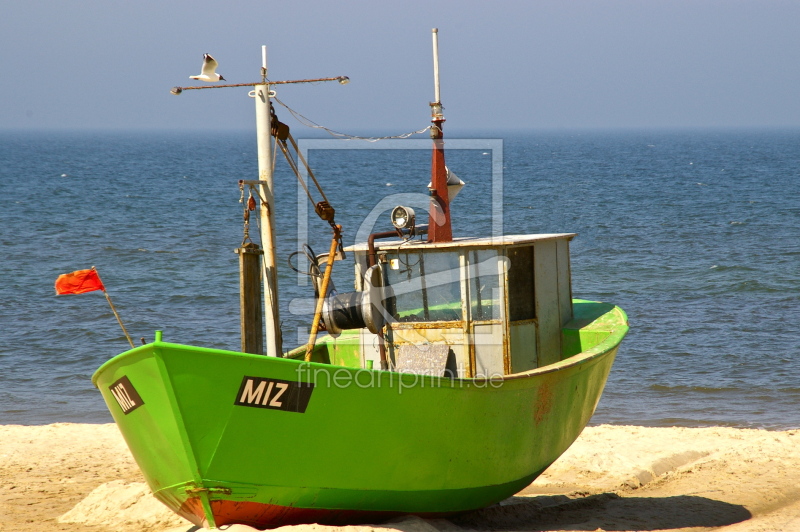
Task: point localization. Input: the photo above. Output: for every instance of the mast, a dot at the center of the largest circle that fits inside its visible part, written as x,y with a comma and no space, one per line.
266,212
262,93
439,229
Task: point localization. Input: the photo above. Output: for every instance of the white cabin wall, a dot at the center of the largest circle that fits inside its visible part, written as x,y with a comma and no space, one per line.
523,346
564,281
548,316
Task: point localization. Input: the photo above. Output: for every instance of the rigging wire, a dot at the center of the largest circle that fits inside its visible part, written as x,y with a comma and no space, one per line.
310,123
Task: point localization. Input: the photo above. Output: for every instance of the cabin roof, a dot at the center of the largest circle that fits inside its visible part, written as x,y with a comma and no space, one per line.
462,242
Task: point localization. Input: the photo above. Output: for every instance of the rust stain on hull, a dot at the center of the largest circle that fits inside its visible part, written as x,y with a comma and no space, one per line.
544,402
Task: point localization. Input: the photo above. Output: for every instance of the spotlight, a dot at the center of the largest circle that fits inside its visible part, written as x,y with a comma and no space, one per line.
403,217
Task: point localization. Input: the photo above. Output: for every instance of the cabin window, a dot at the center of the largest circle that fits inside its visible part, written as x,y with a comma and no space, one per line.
484,285
521,303
426,286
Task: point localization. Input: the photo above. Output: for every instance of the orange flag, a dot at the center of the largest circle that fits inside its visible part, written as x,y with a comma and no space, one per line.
79,282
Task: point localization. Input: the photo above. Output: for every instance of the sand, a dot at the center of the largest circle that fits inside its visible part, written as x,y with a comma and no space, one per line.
74,477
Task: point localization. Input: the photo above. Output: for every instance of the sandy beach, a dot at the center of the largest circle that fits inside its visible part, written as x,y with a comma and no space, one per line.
78,477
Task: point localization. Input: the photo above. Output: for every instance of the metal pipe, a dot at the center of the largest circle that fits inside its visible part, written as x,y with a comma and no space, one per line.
371,261
371,254
371,258
341,79
435,34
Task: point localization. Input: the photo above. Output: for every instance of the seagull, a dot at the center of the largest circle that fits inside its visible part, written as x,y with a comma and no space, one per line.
207,73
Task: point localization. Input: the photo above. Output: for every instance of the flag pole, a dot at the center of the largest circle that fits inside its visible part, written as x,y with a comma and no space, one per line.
114,310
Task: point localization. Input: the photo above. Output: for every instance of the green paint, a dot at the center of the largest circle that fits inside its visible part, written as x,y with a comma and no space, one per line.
369,439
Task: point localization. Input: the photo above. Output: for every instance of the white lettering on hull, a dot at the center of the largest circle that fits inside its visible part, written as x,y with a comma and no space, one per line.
274,394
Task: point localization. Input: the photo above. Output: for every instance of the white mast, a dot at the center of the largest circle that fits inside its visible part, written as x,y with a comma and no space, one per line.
270,273
262,95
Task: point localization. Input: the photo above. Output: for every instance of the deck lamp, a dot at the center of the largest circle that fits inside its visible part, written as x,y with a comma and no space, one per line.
403,217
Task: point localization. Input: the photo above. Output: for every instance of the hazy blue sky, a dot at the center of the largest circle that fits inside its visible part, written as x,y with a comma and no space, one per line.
536,64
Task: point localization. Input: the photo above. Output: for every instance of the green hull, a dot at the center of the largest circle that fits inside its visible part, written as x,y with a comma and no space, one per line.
218,444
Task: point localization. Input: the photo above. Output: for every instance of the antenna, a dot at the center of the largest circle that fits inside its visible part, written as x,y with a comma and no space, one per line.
264,63
435,34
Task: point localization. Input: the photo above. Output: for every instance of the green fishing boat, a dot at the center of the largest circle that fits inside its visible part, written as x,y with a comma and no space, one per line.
452,376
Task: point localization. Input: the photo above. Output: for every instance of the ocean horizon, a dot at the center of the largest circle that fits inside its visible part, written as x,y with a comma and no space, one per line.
694,233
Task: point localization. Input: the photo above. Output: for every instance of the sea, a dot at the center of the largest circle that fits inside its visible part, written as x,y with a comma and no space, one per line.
694,233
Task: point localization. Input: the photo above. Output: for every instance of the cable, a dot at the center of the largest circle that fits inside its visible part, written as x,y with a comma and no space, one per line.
313,265
310,123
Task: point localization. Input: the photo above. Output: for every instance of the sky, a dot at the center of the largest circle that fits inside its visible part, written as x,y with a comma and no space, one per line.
505,65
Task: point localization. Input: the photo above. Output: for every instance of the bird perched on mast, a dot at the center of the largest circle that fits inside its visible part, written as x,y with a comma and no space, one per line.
208,72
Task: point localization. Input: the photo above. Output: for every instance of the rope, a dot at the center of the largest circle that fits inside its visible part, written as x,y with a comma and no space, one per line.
293,166
308,168
310,123
281,133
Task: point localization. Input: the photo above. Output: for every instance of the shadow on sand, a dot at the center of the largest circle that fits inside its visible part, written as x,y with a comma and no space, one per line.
607,511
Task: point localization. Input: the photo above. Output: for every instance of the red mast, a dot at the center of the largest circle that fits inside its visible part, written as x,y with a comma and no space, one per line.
439,229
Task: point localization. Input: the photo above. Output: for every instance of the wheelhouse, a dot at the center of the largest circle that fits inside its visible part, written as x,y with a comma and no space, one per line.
470,308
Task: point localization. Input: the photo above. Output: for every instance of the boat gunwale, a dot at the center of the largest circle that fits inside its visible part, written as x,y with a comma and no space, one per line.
617,333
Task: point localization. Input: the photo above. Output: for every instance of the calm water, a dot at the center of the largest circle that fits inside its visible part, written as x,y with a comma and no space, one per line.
696,235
